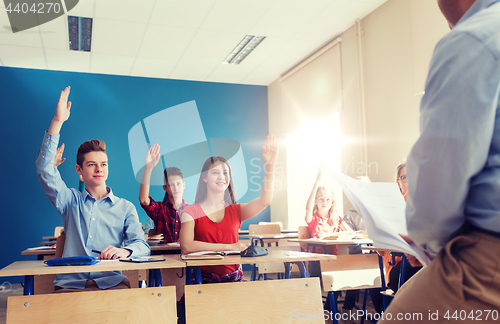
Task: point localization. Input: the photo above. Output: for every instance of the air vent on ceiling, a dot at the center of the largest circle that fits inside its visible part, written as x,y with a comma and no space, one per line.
243,49
80,33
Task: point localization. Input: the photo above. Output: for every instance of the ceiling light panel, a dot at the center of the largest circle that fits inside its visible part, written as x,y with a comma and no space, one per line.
243,49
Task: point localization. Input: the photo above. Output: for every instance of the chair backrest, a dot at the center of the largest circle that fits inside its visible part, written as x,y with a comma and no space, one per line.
264,229
348,272
268,223
61,239
58,230
146,305
303,232
269,301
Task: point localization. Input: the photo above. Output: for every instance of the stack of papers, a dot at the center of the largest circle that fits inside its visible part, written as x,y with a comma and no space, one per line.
382,208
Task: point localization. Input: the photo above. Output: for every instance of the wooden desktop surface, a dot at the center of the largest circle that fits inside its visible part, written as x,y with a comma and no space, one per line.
273,256
331,242
283,231
48,243
271,236
30,268
39,252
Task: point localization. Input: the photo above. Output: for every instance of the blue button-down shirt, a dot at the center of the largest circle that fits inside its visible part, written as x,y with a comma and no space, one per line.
89,224
454,168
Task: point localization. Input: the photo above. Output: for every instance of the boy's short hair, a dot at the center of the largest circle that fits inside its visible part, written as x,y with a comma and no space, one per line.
89,146
171,171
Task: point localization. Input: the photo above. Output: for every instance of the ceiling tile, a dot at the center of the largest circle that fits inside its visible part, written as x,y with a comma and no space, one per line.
84,8
166,42
266,48
235,16
181,13
66,60
287,17
290,55
125,10
192,70
116,37
55,34
262,76
111,64
23,57
29,37
229,73
208,46
153,67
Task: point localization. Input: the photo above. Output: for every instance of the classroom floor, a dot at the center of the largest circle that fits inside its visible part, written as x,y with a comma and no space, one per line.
17,290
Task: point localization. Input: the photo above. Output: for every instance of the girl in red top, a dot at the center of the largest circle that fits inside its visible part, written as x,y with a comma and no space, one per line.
212,223
320,213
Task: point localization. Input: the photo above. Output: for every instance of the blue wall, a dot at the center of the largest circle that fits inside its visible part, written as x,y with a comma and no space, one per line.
105,107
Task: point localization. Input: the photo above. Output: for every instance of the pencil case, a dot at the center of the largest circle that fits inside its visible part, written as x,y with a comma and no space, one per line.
72,261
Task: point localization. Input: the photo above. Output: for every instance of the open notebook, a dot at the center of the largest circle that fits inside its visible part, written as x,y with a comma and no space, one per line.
210,255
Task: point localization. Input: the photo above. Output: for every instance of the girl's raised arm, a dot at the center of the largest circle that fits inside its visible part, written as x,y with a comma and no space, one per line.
269,156
312,197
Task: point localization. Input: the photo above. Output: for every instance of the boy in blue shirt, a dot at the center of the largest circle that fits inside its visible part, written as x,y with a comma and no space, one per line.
93,220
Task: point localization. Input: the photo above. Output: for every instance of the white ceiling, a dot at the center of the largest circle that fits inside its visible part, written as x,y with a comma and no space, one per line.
185,39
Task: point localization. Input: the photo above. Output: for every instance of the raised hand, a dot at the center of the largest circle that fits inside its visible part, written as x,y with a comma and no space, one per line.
63,106
58,159
270,150
320,174
153,156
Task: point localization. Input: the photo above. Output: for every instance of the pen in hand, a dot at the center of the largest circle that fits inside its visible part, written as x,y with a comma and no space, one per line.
95,251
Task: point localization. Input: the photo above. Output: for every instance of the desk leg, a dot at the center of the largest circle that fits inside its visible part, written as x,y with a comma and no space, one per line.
382,278
151,281
29,285
287,270
402,273
189,275
157,277
302,269
254,272
197,275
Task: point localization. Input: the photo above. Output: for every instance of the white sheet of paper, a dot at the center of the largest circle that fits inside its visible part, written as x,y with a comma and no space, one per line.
382,208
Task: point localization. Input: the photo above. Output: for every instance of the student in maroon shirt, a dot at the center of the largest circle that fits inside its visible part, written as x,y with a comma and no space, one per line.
164,214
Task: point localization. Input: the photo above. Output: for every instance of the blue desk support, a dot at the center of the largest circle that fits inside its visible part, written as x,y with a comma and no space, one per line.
190,271
402,273
29,287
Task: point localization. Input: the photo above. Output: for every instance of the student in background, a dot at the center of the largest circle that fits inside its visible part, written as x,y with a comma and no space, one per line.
413,265
212,223
165,215
93,220
321,217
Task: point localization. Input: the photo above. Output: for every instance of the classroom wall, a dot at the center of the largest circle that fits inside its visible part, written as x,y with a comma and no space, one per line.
397,41
106,107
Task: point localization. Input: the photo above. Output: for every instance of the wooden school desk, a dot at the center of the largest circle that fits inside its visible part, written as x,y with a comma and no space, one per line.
29,269
286,257
165,249
322,243
40,253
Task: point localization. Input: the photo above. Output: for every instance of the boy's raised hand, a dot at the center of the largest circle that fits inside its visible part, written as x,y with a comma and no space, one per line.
63,106
270,150
58,159
153,156
62,112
